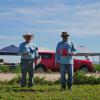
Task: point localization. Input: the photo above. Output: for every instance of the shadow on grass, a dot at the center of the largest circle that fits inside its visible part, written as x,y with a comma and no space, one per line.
19,89
31,90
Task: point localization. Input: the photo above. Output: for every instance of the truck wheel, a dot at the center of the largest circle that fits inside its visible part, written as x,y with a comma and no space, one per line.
84,69
40,69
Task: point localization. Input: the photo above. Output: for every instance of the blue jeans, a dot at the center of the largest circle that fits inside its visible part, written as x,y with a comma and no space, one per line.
69,69
27,66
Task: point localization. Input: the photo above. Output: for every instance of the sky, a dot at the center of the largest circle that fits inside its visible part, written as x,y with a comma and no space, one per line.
46,19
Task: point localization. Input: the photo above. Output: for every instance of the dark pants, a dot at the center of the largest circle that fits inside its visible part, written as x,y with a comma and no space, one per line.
27,66
69,69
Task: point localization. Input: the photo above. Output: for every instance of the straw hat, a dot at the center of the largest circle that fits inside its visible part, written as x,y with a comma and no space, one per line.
28,34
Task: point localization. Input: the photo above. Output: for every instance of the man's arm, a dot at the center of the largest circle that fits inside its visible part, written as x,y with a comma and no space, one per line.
74,51
57,56
36,53
22,51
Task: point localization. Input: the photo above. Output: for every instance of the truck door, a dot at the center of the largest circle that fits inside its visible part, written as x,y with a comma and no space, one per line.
46,59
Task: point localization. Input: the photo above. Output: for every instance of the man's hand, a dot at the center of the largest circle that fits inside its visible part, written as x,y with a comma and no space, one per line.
26,53
57,63
72,54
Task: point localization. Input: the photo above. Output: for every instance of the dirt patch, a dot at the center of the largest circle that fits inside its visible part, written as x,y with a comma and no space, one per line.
49,77
7,76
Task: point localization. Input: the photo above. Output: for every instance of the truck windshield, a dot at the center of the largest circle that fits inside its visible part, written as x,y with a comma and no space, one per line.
45,55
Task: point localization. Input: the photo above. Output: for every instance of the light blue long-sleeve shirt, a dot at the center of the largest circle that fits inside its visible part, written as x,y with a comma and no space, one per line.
28,51
69,47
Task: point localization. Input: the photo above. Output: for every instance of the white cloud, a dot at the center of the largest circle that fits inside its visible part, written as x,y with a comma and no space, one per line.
78,19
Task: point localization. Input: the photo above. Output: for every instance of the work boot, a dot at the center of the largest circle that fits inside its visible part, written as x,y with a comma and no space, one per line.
63,88
23,85
29,86
70,88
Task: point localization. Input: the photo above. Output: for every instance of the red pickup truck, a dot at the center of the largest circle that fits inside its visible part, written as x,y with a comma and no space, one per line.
48,63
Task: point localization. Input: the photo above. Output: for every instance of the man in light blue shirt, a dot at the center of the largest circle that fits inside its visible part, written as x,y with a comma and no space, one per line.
28,54
64,56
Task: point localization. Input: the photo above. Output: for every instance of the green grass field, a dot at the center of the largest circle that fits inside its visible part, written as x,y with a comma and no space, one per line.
44,90
47,92
97,67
